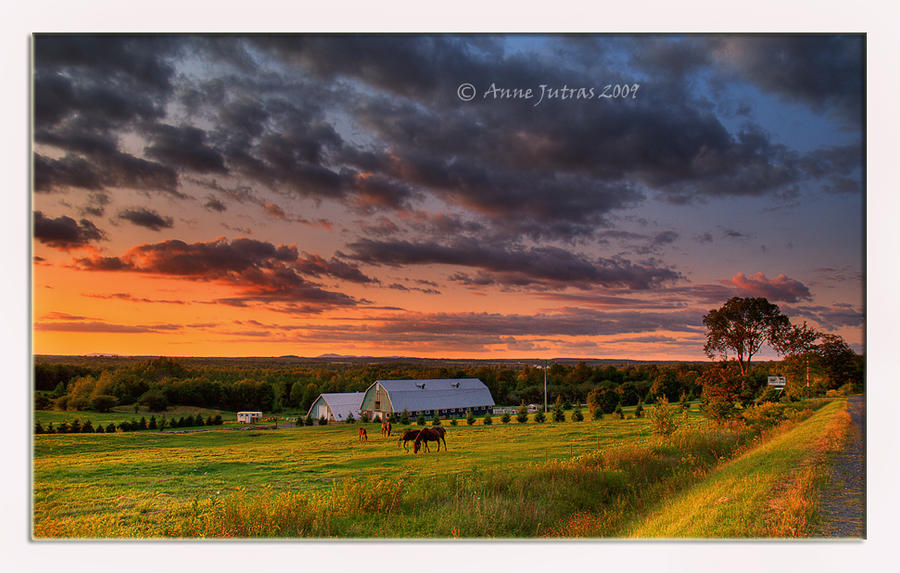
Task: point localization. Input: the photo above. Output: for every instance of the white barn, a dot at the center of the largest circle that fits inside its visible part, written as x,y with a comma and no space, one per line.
336,406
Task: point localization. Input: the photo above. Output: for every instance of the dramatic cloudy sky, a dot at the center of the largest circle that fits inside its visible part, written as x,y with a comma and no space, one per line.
269,195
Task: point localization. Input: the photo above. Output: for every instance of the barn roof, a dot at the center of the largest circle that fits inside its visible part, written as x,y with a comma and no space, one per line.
343,403
437,394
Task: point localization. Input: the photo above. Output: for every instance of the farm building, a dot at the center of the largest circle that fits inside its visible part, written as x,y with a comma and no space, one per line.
336,406
445,397
248,417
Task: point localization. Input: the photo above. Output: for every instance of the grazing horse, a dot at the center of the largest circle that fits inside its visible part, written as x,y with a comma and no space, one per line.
386,428
408,436
363,437
426,435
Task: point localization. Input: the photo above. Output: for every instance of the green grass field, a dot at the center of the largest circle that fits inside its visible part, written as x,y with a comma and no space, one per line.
506,480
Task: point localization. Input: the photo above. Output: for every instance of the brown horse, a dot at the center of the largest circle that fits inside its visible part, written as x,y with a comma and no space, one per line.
435,434
386,428
363,437
408,436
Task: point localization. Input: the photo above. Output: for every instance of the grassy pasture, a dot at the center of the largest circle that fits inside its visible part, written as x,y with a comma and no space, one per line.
506,480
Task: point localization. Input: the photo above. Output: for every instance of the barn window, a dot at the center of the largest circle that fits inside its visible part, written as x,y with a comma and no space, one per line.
377,405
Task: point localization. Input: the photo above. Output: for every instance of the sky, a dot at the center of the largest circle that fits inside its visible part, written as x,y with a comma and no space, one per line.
406,195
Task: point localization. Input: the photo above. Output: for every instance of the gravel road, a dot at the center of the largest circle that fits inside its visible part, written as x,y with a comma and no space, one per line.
844,499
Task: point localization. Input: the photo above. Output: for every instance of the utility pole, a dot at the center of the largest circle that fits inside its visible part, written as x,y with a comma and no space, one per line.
545,386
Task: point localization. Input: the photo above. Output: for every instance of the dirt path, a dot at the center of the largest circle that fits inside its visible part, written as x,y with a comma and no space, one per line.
844,499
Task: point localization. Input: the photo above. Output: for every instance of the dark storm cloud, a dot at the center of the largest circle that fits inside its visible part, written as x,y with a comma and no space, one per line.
148,218
538,267
65,233
261,271
214,204
184,147
831,317
100,172
824,72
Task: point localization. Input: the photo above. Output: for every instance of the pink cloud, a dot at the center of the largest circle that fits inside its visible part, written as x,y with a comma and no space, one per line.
781,288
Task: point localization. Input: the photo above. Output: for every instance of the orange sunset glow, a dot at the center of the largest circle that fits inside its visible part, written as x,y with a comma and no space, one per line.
307,195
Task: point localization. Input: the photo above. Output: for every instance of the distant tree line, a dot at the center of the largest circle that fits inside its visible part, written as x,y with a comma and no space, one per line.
823,361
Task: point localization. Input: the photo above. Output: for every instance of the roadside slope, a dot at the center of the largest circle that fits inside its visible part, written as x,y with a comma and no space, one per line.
770,491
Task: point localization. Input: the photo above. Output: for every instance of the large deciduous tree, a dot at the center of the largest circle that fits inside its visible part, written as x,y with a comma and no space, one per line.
741,327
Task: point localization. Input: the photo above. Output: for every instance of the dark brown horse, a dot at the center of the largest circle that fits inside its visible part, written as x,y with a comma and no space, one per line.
363,437
435,434
408,436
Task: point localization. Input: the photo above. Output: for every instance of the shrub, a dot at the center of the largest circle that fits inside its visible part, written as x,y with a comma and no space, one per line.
103,402
436,421
377,418
619,412
151,425
719,410
309,420
420,421
577,416
124,427
75,426
522,415
394,418
505,418
99,429
50,428
470,418
453,421
38,428
567,405
662,416
404,417
63,428
218,420
183,422
110,428
42,402
597,414
350,418
639,409
540,417
154,400
323,421
142,425
487,420
198,420
87,428
62,402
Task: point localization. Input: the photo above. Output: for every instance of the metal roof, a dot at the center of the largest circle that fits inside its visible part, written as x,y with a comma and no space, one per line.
343,403
437,394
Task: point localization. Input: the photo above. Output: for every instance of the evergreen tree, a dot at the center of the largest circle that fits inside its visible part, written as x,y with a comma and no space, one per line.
75,426
487,421
619,412
453,421
597,414
142,425
436,421
152,425
218,419
420,421
470,418
639,409
50,428
38,428
540,417
404,417
365,418
99,429
505,418
350,418
558,414
323,421
87,428
309,420
577,416
522,415
111,428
